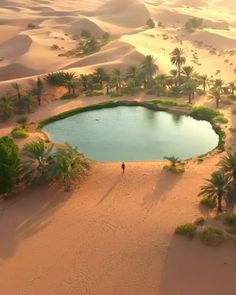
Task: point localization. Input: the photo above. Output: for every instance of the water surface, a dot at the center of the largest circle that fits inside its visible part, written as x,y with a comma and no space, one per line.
134,134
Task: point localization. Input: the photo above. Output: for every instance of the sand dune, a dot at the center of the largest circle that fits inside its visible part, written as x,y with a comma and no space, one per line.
75,28
59,23
15,47
135,13
115,52
16,70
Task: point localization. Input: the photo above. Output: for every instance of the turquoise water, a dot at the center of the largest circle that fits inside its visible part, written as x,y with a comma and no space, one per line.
134,134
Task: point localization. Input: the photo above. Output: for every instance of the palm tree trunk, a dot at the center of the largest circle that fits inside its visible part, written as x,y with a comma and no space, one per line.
179,75
39,100
219,209
190,98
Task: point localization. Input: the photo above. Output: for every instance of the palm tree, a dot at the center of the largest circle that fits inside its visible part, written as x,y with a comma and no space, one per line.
85,81
117,78
174,77
232,87
217,95
215,188
218,86
150,69
228,165
203,79
100,75
178,59
18,88
28,100
188,72
70,81
160,84
173,160
190,87
68,165
6,107
35,168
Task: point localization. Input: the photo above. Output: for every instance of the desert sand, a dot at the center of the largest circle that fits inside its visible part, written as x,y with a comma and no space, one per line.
114,233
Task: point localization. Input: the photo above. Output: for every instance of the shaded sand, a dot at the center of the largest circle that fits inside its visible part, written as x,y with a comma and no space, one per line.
115,239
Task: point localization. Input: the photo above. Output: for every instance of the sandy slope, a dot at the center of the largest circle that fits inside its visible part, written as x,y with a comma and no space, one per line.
117,239
58,23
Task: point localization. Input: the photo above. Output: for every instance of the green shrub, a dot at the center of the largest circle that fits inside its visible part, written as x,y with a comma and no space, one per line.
19,133
174,93
212,236
69,96
230,220
204,113
234,112
94,93
208,202
166,102
199,221
9,162
220,118
188,230
116,94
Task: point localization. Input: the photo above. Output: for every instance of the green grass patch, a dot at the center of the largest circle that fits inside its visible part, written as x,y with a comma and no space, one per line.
116,94
94,93
166,102
221,118
19,133
69,96
212,236
204,113
208,202
187,230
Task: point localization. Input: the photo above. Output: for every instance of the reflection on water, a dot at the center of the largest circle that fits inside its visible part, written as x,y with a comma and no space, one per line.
134,134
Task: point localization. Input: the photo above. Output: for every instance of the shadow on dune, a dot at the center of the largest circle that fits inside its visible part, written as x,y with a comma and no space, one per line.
192,268
111,189
27,213
165,183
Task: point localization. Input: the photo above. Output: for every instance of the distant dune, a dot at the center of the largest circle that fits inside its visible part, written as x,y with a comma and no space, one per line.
61,22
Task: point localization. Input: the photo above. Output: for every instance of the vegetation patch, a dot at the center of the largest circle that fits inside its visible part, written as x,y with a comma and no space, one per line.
208,202
19,133
204,113
187,230
212,236
166,102
199,221
94,93
116,94
221,118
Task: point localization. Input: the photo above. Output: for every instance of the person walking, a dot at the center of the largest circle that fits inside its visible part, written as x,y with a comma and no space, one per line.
123,167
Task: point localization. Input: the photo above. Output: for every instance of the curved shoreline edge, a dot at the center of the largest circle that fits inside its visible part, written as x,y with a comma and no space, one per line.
180,110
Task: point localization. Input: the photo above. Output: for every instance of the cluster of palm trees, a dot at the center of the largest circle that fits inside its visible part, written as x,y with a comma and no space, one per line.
42,162
182,80
22,101
222,184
